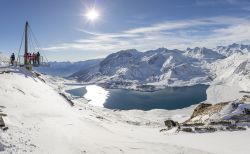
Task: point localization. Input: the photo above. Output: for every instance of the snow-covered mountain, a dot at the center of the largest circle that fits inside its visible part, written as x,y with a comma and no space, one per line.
131,69
232,78
233,48
64,69
203,53
154,67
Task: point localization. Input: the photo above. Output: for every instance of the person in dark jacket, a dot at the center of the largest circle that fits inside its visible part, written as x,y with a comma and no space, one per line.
38,57
12,59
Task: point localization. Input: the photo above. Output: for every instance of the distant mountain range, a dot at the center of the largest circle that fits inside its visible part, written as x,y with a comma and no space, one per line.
131,69
65,69
232,49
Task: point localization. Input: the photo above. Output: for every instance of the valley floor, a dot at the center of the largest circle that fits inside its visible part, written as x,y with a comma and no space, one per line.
42,121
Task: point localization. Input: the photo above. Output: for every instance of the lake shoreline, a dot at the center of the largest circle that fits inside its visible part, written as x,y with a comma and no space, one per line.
125,99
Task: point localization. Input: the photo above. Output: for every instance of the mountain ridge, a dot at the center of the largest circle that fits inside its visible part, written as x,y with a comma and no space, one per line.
131,69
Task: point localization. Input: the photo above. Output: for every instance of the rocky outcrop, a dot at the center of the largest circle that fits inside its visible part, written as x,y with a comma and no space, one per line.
208,118
203,110
170,124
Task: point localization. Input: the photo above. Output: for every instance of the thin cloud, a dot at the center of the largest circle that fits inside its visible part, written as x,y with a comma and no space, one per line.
207,32
216,2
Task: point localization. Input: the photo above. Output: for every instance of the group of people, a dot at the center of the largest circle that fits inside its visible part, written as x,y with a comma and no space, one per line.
29,58
32,58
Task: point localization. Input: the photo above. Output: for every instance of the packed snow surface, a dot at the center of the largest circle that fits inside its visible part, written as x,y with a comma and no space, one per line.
41,121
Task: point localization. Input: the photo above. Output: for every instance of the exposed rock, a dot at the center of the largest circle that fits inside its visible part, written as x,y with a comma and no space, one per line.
133,123
234,128
245,98
247,111
2,72
192,124
223,123
5,128
205,129
170,123
207,109
189,130
99,117
200,109
68,100
226,116
3,114
164,130
2,124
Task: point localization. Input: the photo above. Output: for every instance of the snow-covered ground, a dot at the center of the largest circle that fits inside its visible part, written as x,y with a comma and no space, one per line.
4,60
232,78
41,121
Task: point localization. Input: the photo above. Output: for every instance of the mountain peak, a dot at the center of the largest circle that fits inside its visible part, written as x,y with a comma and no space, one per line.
203,53
232,49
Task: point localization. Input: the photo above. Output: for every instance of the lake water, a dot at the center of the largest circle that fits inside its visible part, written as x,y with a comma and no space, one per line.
168,98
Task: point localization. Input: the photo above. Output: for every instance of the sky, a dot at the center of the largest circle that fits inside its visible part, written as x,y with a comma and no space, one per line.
65,34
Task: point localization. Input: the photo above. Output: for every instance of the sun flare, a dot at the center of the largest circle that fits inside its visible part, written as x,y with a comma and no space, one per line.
92,15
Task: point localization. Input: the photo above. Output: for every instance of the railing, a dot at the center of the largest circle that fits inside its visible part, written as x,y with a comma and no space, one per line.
32,62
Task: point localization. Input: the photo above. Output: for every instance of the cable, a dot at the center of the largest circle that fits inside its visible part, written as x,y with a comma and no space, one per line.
38,44
20,47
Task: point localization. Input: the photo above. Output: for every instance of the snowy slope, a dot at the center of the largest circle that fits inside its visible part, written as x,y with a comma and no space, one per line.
41,121
4,60
232,78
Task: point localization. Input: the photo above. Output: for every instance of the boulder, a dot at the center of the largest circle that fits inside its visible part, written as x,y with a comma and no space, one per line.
170,124
247,111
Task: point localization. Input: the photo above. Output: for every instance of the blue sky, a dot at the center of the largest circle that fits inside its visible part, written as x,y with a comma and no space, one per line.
66,35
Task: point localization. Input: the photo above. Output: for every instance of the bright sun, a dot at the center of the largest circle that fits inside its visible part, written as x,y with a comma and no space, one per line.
92,15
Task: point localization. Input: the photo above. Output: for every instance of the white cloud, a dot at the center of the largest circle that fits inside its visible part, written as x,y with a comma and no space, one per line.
215,2
180,34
